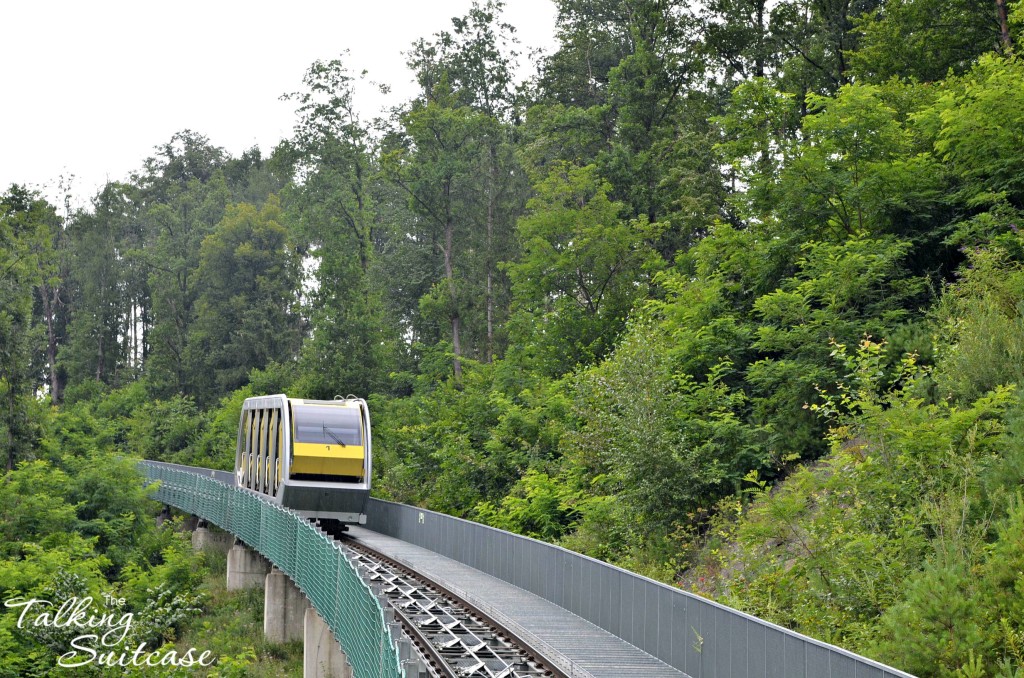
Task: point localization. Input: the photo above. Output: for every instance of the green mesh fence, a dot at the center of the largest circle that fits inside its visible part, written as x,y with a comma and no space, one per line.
314,562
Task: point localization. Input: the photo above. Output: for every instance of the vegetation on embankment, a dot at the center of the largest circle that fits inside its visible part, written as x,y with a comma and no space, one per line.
232,624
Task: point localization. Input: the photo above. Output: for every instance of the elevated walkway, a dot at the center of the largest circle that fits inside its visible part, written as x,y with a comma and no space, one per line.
593,618
578,646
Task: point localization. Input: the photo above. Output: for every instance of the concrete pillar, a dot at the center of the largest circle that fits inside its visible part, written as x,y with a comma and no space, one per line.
165,515
206,538
321,655
247,569
284,609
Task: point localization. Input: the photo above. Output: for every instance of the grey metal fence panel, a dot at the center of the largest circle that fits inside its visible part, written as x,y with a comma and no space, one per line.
694,632
868,671
501,552
737,647
650,618
567,579
587,604
817,661
677,633
666,604
756,651
842,666
715,626
579,592
775,652
702,639
796,658
607,596
628,603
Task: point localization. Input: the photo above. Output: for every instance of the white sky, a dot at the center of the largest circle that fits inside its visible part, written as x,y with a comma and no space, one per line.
89,88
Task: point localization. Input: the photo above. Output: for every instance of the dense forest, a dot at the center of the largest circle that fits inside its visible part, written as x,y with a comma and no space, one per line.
728,293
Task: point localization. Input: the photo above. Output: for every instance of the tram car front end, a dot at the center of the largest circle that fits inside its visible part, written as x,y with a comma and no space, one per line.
311,456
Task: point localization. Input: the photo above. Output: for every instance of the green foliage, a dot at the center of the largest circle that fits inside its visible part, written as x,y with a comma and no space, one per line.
445,434
982,327
334,211
185,196
671,442
231,628
756,142
25,224
912,39
981,119
832,550
215,445
164,429
246,317
82,526
581,271
858,172
540,506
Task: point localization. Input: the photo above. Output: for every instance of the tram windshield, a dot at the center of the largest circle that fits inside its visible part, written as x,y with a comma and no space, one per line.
327,425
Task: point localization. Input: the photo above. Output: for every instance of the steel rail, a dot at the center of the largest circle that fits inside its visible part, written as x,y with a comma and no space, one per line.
437,626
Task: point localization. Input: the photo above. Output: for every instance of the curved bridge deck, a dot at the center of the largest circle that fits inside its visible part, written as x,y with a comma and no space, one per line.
592,618
579,646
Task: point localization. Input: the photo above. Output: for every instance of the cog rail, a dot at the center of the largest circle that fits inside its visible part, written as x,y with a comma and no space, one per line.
456,638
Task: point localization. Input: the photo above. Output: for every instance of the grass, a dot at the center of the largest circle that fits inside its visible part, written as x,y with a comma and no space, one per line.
231,626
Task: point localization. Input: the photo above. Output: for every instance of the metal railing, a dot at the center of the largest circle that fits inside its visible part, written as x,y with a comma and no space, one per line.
700,637
314,562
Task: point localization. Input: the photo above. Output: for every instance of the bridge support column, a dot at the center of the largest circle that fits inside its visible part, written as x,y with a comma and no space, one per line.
284,609
203,537
322,656
165,515
247,569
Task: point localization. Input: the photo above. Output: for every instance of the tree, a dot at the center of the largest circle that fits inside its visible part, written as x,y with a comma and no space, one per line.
982,120
737,34
25,262
858,170
435,169
333,209
472,67
922,39
100,313
582,270
245,316
817,37
183,196
593,38
477,59
670,443
53,294
641,116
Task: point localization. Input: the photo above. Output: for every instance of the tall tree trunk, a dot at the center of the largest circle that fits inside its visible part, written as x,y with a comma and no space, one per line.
1004,26
762,30
100,358
51,339
489,351
449,274
145,333
11,414
134,360
362,230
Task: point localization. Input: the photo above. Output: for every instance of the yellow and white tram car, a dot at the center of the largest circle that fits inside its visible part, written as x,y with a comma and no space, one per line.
311,456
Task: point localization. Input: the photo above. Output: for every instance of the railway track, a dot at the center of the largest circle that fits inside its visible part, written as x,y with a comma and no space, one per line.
456,638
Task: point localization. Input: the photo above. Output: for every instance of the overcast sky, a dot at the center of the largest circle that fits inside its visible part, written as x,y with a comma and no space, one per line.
89,88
